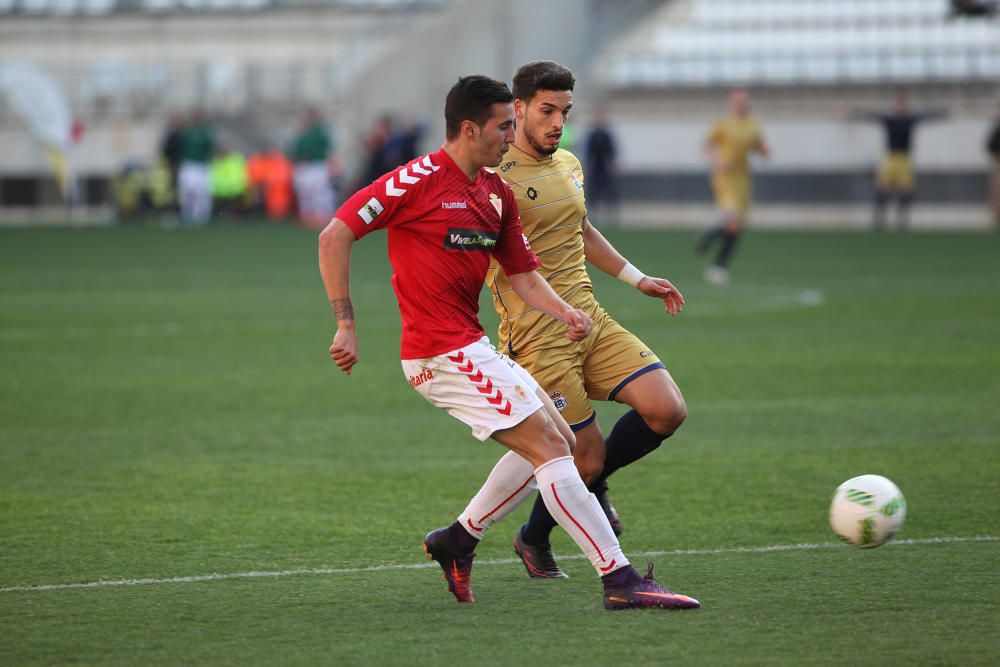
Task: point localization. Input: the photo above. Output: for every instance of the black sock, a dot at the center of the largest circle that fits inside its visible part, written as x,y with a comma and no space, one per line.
540,524
708,237
630,440
729,240
461,540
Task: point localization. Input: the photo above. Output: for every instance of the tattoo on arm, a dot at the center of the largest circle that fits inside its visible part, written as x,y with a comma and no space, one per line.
343,309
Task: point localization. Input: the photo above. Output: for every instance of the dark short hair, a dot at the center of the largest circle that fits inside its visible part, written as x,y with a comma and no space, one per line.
541,75
472,98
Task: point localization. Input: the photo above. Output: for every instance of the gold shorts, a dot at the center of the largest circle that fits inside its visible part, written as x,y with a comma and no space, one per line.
573,373
896,173
732,191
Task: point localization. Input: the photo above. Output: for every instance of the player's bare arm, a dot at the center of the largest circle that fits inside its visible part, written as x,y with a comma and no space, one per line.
335,243
600,253
531,288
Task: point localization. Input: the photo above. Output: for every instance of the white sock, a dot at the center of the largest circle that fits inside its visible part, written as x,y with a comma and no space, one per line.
511,481
578,512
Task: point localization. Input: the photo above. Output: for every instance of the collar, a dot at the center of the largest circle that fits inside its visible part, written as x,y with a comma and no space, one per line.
528,156
442,158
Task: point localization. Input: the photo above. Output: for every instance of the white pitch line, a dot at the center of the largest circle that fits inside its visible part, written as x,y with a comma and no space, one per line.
498,561
804,298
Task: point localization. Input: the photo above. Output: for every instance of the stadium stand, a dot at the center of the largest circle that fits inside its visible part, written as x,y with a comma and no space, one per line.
810,42
809,63
125,65
105,7
660,67
288,57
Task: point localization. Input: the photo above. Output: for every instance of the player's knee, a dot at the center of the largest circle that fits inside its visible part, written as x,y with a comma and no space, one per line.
668,416
556,444
589,469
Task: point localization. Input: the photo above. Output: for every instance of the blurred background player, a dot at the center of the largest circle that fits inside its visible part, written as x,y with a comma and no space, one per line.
894,178
270,174
194,182
379,150
601,169
446,217
312,176
172,145
728,145
993,149
609,365
230,182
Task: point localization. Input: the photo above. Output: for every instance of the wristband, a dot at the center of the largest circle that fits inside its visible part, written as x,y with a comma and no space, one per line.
631,275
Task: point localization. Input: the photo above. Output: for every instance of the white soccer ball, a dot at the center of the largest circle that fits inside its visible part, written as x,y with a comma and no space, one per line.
867,511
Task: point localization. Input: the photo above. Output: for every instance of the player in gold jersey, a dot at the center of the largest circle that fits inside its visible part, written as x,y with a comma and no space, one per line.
729,143
611,364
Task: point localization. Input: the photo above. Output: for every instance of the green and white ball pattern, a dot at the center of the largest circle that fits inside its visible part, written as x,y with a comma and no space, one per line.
867,511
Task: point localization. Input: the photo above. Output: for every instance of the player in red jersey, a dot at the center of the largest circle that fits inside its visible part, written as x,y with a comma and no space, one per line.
446,216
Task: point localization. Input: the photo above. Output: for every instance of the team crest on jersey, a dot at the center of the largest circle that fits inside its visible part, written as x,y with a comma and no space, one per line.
558,400
519,390
497,203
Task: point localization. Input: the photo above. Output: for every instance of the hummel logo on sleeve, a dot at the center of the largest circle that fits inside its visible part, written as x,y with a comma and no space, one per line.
370,210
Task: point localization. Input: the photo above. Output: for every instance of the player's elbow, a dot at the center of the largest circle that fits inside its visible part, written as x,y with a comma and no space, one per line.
522,284
334,235
326,237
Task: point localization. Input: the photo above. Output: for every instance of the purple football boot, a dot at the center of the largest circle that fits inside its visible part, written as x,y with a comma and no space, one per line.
457,567
645,594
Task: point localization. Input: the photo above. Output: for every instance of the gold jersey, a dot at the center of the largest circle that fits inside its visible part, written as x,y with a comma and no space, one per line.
549,194
733,137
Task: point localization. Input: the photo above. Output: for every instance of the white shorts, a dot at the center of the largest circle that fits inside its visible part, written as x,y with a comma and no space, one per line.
477,385
314,190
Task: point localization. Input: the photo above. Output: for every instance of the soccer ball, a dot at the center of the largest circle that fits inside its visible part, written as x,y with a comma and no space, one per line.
867,511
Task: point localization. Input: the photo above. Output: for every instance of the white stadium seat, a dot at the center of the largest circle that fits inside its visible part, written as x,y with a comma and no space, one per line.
817,42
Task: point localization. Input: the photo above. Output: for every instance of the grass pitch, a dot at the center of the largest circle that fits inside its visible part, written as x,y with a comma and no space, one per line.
168,413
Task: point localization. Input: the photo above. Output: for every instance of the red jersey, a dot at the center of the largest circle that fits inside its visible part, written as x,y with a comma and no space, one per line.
443,229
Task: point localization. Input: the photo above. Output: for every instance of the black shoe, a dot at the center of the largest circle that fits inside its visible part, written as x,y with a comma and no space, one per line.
538,560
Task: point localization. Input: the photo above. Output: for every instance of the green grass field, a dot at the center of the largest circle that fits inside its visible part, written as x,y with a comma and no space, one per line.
168,412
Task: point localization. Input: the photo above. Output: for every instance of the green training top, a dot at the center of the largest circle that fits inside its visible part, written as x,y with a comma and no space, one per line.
197,144
311,145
